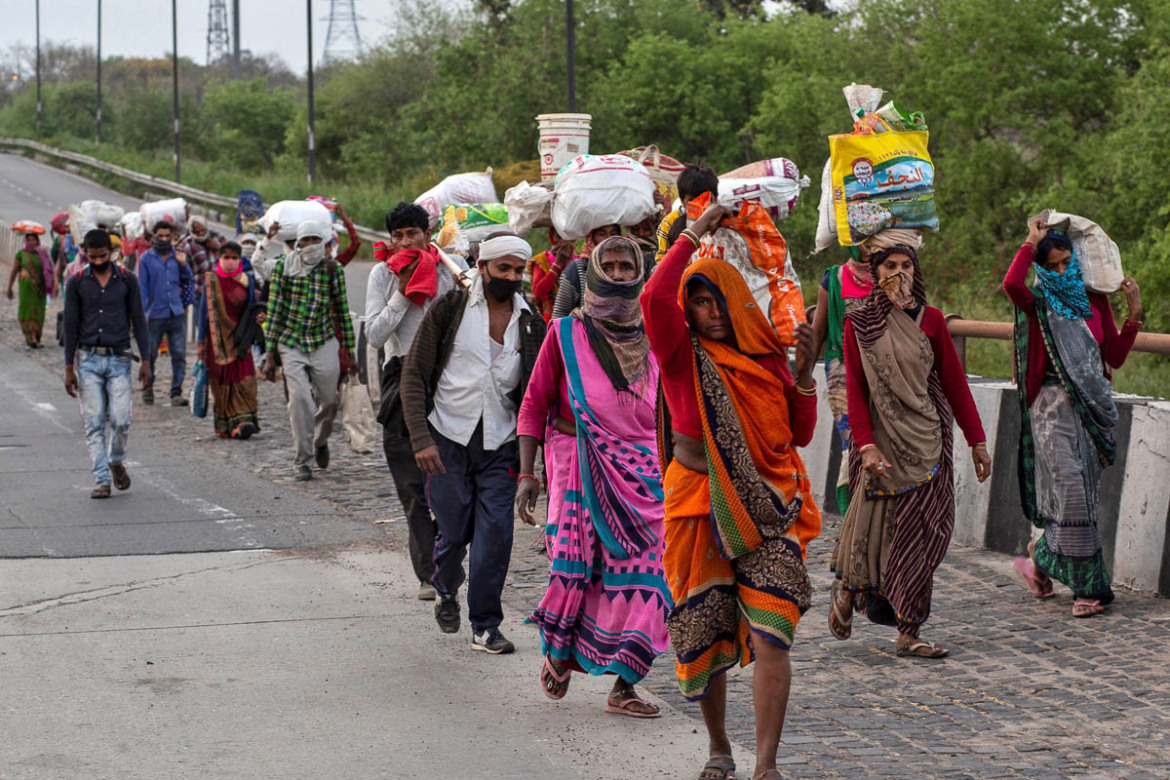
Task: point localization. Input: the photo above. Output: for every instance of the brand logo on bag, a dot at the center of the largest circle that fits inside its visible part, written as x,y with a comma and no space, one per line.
863,171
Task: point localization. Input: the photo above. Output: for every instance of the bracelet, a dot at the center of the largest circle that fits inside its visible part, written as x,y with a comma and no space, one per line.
810,391
690,234
982,444
1135,323
866,447
522,477
1029,243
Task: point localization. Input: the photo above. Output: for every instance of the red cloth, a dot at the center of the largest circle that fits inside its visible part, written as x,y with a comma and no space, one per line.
1115,346
424,281
666,325
946,364
355,243
381,251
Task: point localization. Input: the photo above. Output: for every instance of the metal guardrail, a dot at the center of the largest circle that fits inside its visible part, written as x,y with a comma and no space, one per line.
198,197
961,330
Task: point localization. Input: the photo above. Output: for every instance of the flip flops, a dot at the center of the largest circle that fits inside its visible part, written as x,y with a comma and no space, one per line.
718,768
921,649
623,708
1036,583
1087,608
549,675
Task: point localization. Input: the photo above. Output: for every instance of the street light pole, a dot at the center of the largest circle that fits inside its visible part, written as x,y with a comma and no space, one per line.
99,72
39,113
175,77
571,54
236,73
312,138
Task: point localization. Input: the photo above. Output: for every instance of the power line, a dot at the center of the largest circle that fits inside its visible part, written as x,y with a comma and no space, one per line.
342,40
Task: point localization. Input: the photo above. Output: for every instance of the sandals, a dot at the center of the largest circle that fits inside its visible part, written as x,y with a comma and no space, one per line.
551,679
718,768
1037,584
1087,608
101,491
624,707
918,648
840,616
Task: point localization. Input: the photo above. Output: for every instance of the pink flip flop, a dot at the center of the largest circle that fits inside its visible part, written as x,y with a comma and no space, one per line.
623,708
547,672
1037,584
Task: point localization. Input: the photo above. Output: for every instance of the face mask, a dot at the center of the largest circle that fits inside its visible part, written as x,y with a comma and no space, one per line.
100,268
200,239
501,289
162,246
313,253
247,250
900,289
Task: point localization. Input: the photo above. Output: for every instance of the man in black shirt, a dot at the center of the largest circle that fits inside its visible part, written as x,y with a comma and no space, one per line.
102,304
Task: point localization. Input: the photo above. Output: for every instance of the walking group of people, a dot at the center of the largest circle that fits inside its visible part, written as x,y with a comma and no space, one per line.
665,416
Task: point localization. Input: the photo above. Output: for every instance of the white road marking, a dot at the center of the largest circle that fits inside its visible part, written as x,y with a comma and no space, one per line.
223,516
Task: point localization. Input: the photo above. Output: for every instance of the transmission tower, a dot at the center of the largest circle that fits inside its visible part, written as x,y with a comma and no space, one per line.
342,40
218,39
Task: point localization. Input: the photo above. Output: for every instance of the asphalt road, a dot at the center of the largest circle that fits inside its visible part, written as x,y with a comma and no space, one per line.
30,190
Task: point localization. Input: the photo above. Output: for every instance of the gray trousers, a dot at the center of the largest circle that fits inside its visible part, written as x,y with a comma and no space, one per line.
313,399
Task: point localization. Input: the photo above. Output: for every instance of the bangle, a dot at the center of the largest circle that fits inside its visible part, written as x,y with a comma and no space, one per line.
810,391
522,477
977,445
1135,323
690,234
866,447
1029,243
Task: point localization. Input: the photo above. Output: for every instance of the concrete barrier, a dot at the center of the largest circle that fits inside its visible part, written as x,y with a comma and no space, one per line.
1134,507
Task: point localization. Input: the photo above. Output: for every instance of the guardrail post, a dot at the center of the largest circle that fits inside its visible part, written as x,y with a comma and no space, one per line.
960,341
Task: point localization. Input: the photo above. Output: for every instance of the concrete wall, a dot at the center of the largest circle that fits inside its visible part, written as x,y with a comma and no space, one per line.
1134,510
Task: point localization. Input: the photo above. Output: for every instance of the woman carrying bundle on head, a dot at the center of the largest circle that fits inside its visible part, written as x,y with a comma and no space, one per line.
34,269
904,381
1066,341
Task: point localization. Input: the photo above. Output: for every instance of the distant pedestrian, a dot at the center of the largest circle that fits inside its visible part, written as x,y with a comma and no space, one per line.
229,298
102,306
396,302
1067,343
471,360
308,322
33,267
162,274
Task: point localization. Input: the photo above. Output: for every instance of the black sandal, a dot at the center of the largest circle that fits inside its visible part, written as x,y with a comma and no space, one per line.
718,768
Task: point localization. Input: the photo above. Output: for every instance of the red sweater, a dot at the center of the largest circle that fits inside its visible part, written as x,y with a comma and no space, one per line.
670,339
946,365
1115,346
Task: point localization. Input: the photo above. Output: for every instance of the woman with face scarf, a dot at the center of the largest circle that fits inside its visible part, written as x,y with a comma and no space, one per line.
903,381
34,269
1066,341
228,293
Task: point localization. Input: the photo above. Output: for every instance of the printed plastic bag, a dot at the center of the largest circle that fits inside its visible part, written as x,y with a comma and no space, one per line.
249,209
775,184
529,206
199,389
750,241
475,222
881,180
664,170
1099,257
291,213
592,192
464,188
357,416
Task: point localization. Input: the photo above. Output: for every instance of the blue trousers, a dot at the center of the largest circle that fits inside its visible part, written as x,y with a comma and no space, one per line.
106,393
473,506
175,329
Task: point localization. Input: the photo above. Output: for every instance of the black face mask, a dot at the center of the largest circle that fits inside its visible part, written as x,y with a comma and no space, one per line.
501,289
162,246
100,268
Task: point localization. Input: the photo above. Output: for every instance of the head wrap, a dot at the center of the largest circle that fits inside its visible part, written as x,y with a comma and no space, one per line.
869,321
893,237
1065,292
46,262
612,317
302,260
504,246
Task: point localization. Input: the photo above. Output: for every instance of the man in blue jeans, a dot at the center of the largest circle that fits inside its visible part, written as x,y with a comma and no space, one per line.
162,275
102,304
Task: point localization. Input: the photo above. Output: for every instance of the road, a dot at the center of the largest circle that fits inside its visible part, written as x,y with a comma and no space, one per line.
31,190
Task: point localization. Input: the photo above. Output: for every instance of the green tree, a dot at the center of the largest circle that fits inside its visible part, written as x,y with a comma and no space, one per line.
247,122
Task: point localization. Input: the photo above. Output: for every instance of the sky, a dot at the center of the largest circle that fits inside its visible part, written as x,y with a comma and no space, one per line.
142,28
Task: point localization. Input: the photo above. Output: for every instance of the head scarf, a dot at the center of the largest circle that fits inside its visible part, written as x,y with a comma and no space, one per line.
893,237
504,246
198,220
613,318
302,260
46,262
869,321
1065,292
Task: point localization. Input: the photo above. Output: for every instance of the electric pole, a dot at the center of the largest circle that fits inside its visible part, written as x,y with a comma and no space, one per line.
99,73
39,113
312,139
175,78
237,74
571,54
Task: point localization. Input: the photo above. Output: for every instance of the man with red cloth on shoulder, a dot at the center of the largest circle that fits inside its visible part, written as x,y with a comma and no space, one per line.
401,287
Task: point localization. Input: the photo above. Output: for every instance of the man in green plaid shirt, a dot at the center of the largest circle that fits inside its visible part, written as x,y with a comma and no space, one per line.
307,312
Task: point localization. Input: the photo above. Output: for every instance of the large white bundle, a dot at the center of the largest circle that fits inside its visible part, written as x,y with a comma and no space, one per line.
1098,255
593,192
91,215
462,188
529,206
777,194
173,211
131,226
291,213
826,214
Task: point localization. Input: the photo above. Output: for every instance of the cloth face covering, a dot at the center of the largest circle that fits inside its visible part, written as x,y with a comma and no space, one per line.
424,281
612,317
1065,291
900,288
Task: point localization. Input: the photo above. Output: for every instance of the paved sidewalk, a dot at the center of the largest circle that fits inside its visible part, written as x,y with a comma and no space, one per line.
1027,692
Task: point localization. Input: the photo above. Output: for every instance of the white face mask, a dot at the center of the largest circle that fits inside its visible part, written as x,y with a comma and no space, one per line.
313,253
247,250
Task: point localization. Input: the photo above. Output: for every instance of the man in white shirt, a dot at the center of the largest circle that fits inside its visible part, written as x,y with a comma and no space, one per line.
392,319
472,357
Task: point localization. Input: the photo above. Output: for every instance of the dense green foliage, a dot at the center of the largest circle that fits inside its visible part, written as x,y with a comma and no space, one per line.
1060,103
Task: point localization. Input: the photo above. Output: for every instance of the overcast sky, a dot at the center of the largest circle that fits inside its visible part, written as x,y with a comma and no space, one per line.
142,28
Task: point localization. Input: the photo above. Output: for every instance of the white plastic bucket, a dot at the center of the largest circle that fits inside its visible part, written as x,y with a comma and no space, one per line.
562,137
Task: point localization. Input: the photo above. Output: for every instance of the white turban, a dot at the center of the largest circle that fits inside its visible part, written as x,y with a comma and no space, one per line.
505,246
302,260
321,230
